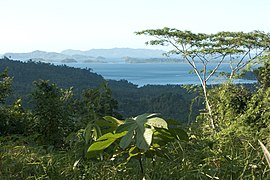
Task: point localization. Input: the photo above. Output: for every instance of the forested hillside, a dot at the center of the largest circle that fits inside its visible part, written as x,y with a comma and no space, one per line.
171,101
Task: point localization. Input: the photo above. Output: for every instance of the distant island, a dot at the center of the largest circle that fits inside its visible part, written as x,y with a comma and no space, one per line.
101,56
114,55
53,57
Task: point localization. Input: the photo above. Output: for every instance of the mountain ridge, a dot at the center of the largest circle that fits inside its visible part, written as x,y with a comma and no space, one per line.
91,56
118,52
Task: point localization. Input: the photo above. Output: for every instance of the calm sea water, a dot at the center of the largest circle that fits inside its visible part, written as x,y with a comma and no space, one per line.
155,74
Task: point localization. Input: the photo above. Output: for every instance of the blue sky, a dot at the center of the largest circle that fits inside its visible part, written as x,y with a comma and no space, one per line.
56,25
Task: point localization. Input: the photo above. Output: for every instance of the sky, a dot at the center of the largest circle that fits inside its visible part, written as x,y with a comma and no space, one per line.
56,25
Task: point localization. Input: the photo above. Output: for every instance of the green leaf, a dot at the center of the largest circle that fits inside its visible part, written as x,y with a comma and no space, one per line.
96,132
137,131
142,119
113,120
111,136
103,142
104,123
92,131
88,133
129,125
100,145
126,140
163,136
144,138
157,122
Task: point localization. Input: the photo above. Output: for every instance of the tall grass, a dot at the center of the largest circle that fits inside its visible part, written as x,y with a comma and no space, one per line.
266,152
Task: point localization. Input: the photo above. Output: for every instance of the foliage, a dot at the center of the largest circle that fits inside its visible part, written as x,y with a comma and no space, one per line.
232,152
5,85
263,75
144,145
20,160
207,48
88,118
141,130
142,136
228,102
14,119
239,49
51,112
131,99
94,104
258,112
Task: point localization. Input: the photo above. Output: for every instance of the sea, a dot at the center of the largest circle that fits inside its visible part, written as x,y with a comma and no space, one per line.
155,74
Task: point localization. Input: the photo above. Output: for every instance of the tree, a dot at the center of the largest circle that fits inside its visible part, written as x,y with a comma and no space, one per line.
5,85
94,105
236,48
12,117
51,112
228,102
263,73
89,111
258,110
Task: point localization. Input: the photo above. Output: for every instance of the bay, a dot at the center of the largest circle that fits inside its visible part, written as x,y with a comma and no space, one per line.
154,74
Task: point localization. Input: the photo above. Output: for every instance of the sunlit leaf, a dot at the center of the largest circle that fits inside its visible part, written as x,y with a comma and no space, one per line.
144,138
157,122
137,130
103,142
113,120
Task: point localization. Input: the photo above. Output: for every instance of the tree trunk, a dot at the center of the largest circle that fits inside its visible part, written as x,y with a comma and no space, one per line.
208,105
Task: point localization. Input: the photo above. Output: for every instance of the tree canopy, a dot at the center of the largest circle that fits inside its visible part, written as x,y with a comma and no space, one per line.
239,49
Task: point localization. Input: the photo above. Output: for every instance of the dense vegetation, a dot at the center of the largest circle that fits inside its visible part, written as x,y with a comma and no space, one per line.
131,99
50,137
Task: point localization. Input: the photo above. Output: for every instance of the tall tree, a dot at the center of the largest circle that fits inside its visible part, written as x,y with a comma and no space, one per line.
51,112
236,48
12,117
95,104
5,85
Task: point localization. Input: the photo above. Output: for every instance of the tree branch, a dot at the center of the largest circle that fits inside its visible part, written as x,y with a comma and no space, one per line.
216,68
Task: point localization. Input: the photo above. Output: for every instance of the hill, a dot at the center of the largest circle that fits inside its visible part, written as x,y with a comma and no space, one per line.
118,53
44,56
171,101
114,55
